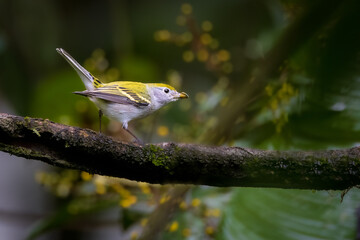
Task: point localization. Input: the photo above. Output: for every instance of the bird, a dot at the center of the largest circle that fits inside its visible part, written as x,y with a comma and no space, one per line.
123,101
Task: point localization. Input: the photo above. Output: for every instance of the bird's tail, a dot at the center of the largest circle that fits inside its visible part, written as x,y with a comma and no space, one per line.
88,79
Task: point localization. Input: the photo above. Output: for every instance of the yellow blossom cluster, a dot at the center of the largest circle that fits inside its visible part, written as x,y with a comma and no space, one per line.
279,100
60,183
197,207
203,46
127,198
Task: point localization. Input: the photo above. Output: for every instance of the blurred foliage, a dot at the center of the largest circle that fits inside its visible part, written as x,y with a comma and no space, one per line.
213,51
288,214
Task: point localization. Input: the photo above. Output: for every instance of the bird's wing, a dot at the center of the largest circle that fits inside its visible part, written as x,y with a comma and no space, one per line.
121,92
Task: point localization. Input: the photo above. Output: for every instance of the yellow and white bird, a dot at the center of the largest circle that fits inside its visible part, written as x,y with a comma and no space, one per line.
123,100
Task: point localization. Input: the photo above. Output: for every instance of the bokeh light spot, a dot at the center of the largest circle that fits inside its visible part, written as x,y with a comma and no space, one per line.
186,9
162,131
206,26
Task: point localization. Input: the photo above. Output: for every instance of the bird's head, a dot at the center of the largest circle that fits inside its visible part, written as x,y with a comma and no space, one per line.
161,94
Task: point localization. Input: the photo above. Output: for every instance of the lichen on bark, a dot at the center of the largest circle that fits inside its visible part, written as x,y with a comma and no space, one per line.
84,149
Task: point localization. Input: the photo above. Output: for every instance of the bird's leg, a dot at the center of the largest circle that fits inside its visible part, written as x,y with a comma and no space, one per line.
133,135
100,115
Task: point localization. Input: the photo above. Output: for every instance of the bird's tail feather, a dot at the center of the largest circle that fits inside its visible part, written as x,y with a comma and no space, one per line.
86,76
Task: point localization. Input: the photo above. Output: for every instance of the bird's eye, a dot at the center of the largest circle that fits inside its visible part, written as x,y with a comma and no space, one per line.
166,90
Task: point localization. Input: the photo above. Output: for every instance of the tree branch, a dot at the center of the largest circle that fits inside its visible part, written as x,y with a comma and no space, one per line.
83,149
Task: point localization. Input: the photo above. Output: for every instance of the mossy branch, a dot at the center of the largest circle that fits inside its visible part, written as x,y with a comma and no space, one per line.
83,149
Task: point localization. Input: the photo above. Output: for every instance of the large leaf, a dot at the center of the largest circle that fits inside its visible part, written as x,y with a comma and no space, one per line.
289,214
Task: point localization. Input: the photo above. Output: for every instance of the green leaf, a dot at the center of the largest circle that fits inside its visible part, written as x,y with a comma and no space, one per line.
289,214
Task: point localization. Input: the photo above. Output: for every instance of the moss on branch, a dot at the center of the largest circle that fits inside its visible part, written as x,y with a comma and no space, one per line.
83,149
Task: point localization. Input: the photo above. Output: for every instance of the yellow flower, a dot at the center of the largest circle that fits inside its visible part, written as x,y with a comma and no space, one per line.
188,56
209,230
127,202
164,199
223,55
195,202
162,131
186,9
143,222
145,188
162,35
186,232
183,205
212,212
174,226
100,189
86,176
205,38
206,26
124,193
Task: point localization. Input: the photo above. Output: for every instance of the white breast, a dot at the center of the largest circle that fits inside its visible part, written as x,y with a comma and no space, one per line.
122,113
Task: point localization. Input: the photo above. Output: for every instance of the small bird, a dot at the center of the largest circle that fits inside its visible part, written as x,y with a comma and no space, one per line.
123,100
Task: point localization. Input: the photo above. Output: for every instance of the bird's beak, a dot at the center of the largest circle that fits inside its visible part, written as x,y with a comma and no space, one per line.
183,95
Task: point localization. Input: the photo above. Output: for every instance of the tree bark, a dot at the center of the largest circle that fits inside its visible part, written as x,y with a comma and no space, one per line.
86,150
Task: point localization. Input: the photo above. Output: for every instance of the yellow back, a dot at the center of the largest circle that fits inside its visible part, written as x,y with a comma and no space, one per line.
134,91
